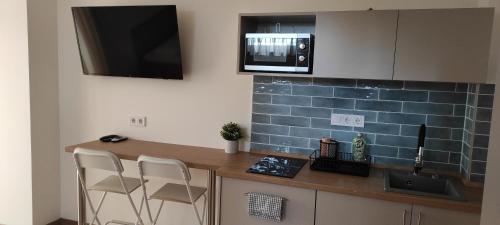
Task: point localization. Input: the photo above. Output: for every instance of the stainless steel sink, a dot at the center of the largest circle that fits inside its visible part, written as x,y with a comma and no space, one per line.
423,185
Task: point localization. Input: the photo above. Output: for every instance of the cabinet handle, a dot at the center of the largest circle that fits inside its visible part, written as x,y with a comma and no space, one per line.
419,218
404,217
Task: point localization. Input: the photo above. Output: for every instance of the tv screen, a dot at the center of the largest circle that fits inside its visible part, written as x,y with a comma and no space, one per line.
131,41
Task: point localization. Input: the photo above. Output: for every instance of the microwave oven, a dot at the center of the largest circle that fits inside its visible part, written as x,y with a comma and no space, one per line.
279,52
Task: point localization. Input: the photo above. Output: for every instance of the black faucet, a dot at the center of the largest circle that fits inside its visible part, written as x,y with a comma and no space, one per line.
420,150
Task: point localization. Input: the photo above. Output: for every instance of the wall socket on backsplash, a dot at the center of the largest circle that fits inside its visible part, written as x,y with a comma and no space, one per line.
348,120
137,121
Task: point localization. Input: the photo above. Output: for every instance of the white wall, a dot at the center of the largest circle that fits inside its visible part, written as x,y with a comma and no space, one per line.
42,32
491,197
15,159
190,111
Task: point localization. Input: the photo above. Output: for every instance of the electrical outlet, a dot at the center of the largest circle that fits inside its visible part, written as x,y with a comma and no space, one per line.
138,121
348,120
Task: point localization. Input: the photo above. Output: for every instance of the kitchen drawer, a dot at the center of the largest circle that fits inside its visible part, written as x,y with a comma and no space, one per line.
432,216
299,206
333,209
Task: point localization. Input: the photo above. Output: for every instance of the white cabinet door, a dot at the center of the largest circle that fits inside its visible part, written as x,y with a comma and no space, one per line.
299,204
443,45
338,209
432,216
355,44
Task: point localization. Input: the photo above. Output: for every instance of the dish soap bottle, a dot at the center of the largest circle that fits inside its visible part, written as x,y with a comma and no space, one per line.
358,148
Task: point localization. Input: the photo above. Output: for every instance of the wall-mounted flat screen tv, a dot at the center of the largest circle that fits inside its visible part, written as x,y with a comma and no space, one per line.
129,41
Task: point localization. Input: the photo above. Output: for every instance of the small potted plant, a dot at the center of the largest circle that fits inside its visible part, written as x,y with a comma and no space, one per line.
231,132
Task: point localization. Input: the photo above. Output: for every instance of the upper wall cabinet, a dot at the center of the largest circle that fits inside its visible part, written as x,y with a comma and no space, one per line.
443,45
355,44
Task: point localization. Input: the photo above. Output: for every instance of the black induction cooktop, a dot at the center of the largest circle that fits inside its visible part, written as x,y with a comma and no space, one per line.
278,166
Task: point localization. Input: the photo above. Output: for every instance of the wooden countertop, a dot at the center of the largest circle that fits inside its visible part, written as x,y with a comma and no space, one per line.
235,166
194,157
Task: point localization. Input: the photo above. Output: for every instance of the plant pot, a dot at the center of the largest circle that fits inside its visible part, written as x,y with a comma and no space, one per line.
232,147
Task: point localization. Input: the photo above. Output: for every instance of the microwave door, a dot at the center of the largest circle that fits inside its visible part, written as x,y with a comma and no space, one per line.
270,51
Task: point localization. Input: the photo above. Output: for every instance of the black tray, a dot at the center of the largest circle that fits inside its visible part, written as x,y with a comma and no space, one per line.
343,163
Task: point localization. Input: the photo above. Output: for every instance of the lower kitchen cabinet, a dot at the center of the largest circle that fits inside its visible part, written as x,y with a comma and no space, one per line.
299,204
311,207
339,209
432,216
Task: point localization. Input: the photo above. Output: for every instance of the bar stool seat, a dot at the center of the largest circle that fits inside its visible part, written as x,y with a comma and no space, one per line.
178,193
112,184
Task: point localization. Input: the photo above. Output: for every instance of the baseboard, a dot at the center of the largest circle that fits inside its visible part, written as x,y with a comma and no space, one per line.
62,221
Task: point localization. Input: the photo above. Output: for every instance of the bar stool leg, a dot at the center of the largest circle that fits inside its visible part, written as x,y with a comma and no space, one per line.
81,197
158,213
98,207
140,210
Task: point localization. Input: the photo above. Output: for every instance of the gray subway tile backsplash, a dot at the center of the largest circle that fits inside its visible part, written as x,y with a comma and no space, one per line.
382,84
404,95
485,101
272,89
379,128
291,121
334,82
270,129
437,156
441,166
488,89
261,118
359,93
291,100
292,80
261,98
291,114
445,121
481,141
443,145
428,108
462,87
383,106
480,154
448,97
483,114
289,141
478,167
312,91
431,132
457,134
339,103
260,138
401,118
271,109
482,127
458,110
397,141
430,86
311,112
380,150
309,132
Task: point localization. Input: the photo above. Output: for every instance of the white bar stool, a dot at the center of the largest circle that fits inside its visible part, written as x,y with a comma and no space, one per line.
104,160
170,169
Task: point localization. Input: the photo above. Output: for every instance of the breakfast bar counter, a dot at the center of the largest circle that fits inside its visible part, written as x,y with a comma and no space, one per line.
221,164
194,157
